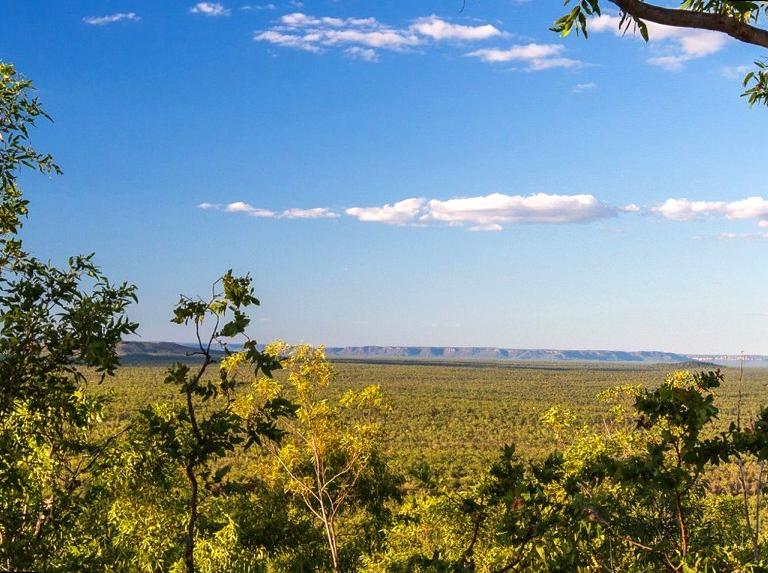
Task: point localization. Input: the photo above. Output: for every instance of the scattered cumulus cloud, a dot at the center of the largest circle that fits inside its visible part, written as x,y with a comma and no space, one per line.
493,212
314,213
677,45
735,72
733,236
481,213
401,213
258,7
585,87
498,208
363,38
438,29
111,18
492,227
535,57
312,34
209,9
488,212
250,210
365,54
688,210
242,207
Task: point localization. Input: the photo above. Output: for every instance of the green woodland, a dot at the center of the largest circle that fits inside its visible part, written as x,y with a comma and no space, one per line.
259,456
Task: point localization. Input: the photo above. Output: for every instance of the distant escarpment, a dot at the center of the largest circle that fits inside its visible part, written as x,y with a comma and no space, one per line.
166,352
494,353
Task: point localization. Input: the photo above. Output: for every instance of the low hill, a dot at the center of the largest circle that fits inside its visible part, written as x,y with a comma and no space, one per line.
132,347
494,353
135,352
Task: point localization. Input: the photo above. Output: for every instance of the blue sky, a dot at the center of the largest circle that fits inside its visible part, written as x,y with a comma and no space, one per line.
404,172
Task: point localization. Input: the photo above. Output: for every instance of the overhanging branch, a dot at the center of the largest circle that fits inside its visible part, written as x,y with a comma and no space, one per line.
699,20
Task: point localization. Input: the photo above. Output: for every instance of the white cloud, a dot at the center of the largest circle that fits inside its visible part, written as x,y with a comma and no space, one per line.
315,213
300,31
525,52
241,207
549,63
209,9
669,63
580,88
401,213
286,40
631,208
248,209
735,72
687,210
732,236
361,37
480,213
489,212
258,7
536,56
365,54
494,227
111,19
682,44
499,208
438,29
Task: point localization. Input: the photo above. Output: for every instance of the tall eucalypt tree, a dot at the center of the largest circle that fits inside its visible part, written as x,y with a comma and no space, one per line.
54,322
739,19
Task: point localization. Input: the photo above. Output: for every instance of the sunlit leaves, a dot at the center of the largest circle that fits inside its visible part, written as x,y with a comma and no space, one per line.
756,84
331,445
576,18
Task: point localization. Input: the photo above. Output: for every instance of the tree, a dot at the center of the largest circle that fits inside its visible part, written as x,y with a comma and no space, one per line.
739,19
331,445
634,495
212,423
53,324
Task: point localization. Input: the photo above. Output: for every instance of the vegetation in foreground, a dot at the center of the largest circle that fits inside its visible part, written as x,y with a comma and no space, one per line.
242,470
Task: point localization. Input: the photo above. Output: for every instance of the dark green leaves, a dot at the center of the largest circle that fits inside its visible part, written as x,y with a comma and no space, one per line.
577,18
210,425
238,290
19,110
236,326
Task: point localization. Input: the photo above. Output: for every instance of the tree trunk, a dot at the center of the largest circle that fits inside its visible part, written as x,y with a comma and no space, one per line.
682,525
330,529
189,540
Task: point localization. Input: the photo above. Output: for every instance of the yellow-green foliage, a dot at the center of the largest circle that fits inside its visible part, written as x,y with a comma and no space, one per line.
330,444
457,417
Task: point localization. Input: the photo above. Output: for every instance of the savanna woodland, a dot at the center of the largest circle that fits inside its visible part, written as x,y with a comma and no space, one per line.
267,457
